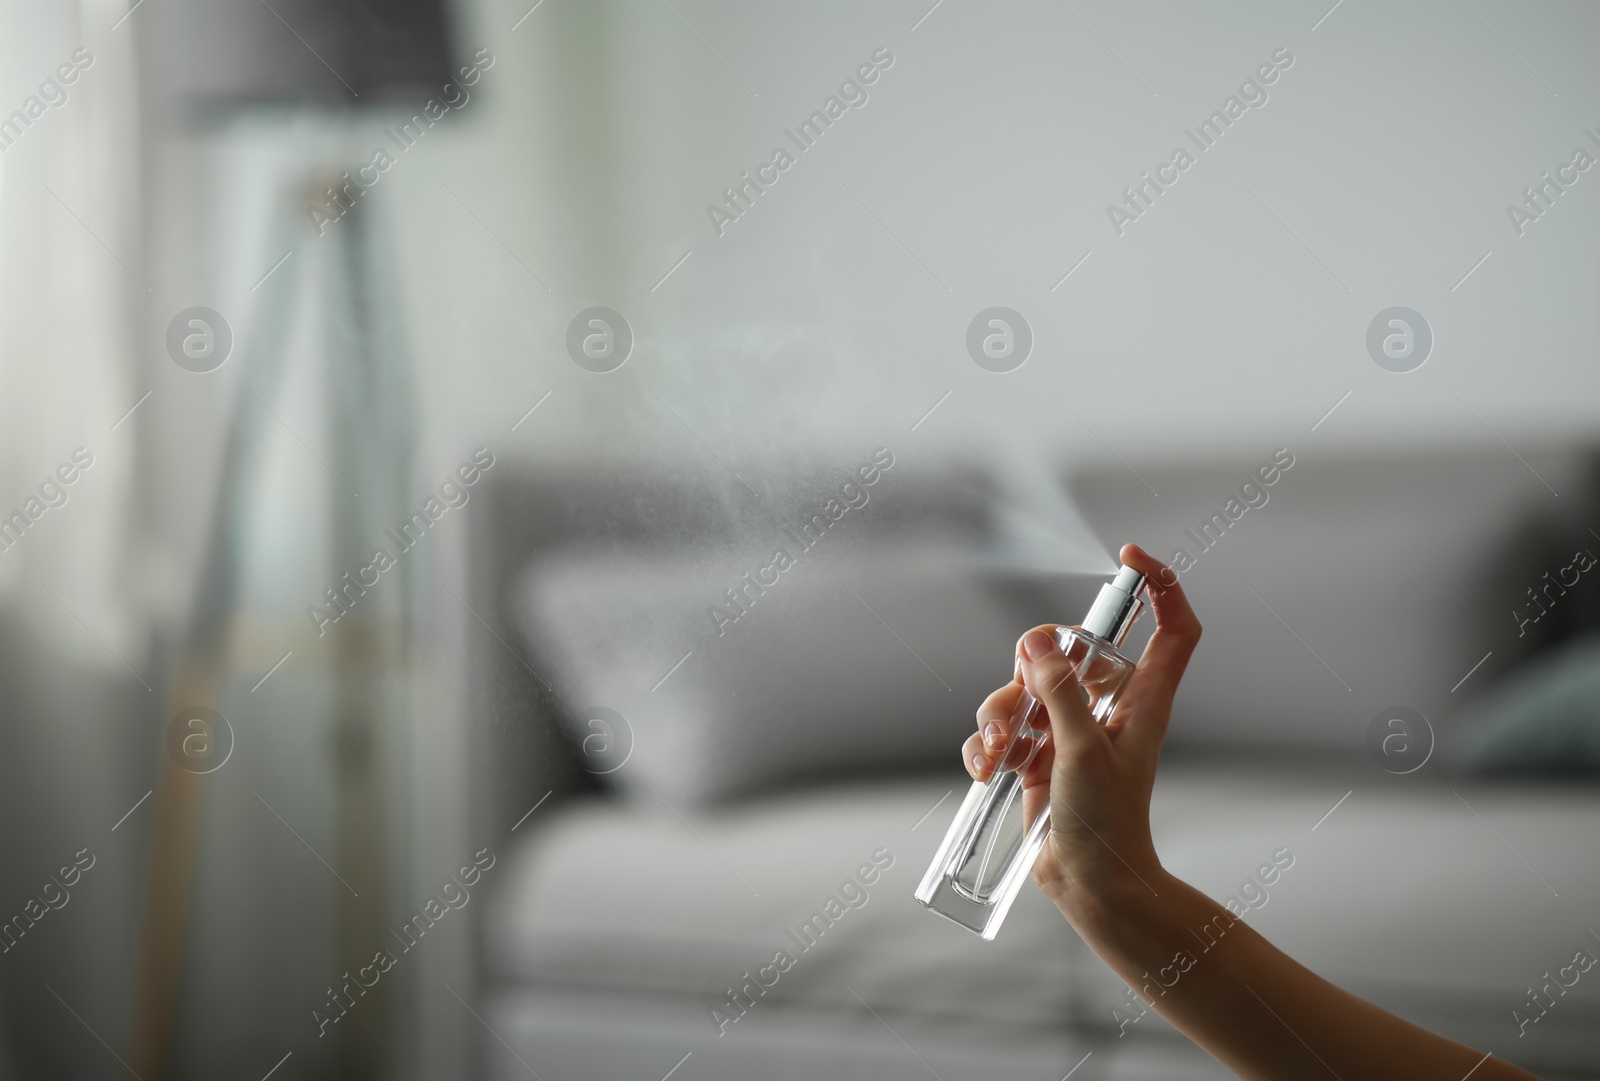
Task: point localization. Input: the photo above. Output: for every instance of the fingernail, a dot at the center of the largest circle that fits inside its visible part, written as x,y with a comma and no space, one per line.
979,763
1038,645
993,734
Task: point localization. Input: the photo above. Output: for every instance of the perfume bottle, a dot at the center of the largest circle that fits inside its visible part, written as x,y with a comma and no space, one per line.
989,850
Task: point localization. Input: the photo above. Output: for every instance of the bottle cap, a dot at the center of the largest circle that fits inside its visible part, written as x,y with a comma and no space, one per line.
1118,605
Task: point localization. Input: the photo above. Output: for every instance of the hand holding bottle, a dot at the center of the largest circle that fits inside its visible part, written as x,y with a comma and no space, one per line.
1097,777
1254,1008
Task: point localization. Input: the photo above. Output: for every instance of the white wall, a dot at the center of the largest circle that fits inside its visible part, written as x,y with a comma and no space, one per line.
991,149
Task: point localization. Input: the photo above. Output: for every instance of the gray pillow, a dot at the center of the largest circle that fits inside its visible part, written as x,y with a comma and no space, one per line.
812,680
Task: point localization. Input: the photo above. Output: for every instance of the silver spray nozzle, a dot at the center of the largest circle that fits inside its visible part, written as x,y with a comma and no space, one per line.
1118,605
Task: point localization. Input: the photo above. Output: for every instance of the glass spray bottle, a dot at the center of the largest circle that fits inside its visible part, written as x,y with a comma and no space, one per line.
989,851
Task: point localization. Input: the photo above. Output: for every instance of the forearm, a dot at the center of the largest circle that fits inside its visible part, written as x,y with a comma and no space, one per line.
1254,1008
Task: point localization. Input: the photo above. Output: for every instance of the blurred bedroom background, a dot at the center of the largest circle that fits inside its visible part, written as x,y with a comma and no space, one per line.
507,506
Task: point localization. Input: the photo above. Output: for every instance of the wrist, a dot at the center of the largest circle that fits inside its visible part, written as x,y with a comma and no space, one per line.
1115,905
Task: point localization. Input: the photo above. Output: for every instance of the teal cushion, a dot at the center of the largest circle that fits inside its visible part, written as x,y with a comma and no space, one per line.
1544,717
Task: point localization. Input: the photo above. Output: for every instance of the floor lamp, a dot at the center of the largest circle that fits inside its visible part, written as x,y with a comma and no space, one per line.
251,55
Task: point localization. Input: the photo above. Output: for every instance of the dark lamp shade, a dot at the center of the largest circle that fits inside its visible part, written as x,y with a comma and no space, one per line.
338,54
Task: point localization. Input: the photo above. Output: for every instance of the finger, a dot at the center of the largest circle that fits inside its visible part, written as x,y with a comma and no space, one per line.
1050,677
978,762
1177,631
996,724
1000,719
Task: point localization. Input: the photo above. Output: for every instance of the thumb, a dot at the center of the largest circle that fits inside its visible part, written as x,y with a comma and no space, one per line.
1051,678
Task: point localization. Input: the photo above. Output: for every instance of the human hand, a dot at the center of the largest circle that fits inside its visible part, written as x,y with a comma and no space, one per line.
1097,778
1255,1009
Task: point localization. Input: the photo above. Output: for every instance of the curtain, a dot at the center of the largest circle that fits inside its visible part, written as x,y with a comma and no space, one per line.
72,292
